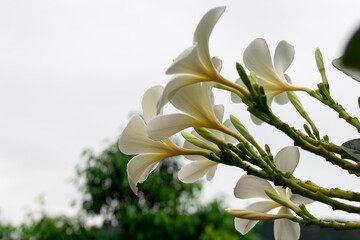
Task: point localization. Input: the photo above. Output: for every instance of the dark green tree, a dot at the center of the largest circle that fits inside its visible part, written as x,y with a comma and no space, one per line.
165,208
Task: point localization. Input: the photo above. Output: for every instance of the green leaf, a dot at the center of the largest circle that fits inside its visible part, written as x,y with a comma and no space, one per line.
352,72
352,147
349,63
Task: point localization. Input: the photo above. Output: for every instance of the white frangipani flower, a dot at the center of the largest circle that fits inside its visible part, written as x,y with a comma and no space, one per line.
202,166
253,187
195,64
196,101
257,58
134,141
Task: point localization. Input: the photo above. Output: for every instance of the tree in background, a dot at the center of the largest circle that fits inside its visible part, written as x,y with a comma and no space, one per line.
165,208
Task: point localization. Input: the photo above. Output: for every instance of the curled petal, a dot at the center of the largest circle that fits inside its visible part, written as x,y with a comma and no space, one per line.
174,85
188,62
203,32
140,167
284,55
195,170
162,127
133,140
149,102
287,159
285,229
250,186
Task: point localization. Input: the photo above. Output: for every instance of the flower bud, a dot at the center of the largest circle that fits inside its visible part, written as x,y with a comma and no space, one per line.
210,136
199,143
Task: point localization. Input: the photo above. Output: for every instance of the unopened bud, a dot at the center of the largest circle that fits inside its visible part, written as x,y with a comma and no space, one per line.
199,143
242,130
251,215
205,133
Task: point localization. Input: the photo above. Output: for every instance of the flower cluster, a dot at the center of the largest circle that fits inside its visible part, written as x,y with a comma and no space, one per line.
213,141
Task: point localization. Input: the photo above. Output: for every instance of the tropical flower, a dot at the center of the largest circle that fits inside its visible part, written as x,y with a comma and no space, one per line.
271,77
195,64
202,166
134,140
252,187
196,101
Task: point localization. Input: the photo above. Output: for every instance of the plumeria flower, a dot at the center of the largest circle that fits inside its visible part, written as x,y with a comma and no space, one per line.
195,64
253,187
196,101
134,141
202,166
271,77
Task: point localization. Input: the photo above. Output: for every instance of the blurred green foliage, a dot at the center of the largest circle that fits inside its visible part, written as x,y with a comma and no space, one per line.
165,208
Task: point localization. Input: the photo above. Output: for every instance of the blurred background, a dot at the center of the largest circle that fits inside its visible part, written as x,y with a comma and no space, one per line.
72,72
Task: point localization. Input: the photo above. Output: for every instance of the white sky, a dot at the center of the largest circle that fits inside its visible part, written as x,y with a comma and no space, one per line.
72,71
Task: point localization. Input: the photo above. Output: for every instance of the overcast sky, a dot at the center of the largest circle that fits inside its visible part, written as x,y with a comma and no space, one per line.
72,71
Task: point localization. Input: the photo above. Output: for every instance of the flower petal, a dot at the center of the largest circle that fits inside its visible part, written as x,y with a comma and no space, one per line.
245,225
174,85
287,159
211,172
140,167
195,170
188,62
162,127
284,55
149,102
133,140
298,199
219,112
203,32
256,120
285,229
250,186
196,100
217,62
257,58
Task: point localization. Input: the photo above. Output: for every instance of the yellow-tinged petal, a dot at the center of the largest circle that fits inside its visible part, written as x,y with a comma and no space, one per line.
162,127
133,140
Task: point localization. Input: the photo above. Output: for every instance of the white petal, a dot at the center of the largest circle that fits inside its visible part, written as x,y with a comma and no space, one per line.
287,159
219,112
211,173
284,55
162,127
257,58
244,225
217,62
298,199
140,167
256,120
149,102
188,62
281,98
227,137
195,170
195,100
203,31
174,85
250,186
234,97
133,140
284,229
